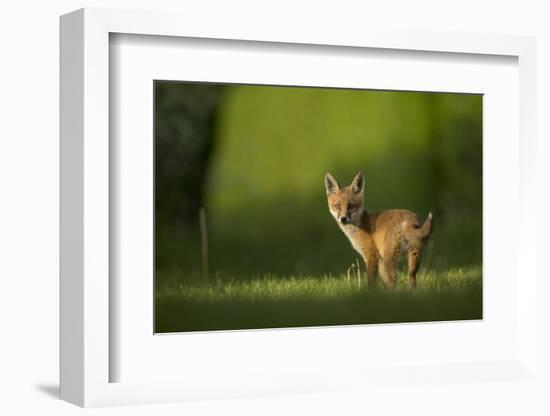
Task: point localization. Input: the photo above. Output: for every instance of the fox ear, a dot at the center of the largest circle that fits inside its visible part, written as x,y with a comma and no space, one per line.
358,183
330,184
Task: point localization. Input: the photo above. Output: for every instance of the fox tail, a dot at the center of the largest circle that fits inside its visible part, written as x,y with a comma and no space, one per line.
426,228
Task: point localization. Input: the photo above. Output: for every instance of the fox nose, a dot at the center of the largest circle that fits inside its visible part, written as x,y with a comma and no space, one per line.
343,220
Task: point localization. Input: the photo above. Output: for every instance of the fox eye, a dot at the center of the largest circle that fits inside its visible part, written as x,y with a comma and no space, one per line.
351,206
337,206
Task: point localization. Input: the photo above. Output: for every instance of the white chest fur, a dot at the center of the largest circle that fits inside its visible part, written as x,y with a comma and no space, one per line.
352,233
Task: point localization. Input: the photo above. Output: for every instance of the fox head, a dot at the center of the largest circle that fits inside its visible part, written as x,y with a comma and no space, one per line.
345,203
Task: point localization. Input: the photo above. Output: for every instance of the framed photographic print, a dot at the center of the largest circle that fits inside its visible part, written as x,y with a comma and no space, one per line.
244,237
266,213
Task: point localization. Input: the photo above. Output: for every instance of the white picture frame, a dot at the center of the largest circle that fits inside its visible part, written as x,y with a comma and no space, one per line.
85,213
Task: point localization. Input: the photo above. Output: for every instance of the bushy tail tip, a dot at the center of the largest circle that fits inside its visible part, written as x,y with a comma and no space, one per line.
426,228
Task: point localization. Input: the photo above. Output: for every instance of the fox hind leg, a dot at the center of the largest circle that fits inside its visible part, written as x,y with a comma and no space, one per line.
390,273
388,263
372,269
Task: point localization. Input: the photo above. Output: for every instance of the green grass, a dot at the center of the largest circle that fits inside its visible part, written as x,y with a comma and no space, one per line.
272,301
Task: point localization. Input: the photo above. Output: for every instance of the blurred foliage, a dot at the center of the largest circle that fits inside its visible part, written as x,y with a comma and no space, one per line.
255,157
185,116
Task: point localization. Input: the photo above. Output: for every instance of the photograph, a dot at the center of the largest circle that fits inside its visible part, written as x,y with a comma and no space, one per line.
290,206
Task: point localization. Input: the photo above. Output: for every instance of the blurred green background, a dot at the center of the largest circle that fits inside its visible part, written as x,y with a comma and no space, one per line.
254,158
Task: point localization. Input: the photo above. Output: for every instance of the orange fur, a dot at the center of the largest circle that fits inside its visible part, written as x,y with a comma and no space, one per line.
381,237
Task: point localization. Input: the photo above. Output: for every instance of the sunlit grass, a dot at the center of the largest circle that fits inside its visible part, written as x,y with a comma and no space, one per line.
289,287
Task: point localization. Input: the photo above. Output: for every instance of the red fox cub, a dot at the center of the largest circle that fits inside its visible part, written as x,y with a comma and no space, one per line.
378,237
